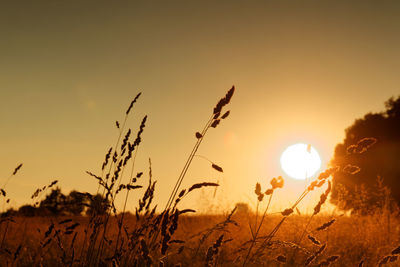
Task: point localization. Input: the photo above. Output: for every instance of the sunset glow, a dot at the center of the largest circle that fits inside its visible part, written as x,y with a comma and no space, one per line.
200,133
300,161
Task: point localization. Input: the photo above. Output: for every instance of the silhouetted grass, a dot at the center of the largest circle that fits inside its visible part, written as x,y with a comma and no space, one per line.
173,235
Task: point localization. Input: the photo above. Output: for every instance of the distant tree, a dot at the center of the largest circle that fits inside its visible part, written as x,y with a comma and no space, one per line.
27,210
75,202
8,213
97,205
54,202
379,166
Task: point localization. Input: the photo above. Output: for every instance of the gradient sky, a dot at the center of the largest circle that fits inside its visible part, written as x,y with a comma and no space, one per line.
303,73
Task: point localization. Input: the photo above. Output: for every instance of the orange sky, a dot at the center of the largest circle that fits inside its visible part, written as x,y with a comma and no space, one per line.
303,73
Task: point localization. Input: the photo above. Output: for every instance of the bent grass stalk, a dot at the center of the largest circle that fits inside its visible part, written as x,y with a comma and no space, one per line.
200,136
187,164
214,117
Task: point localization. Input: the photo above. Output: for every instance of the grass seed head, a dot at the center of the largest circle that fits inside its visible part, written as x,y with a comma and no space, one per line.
281,258
215,123
351,169
226,114
396,251
199,185
277,182
269,192
216,167
325,225
17,169
133,102
258,189
314,240
309,260
287,212
320,250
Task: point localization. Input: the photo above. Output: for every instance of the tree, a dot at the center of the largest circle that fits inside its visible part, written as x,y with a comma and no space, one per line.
27,210
381,160
75,202
98,205
54,202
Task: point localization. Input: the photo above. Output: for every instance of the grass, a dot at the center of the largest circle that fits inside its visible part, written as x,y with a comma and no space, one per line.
177,236
353,239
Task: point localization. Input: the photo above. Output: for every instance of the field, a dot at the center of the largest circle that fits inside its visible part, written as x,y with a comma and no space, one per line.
55,232
353,239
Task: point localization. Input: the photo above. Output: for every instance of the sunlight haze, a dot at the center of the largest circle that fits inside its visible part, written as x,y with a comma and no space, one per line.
303,72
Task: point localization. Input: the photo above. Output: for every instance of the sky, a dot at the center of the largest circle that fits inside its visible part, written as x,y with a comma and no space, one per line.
303,72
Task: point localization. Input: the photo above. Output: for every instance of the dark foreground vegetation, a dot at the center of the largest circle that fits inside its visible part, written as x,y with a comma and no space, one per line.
85,229
31,242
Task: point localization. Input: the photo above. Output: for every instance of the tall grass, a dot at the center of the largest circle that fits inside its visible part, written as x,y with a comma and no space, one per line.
177,236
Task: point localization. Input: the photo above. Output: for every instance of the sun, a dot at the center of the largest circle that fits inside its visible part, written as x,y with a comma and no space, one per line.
300,161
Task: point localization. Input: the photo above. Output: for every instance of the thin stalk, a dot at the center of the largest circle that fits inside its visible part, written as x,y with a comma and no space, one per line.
187,164
264,215
98,187
255,224
6,182
183,172
112,192
92,246
301,237
251,228
200,156
258,230
5,233
113,152
305,229
275,230
190,161
126,200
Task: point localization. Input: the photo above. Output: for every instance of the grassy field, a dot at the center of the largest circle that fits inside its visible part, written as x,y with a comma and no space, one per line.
352,239
151,236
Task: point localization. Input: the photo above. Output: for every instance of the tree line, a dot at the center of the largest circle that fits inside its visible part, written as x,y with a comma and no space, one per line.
56,203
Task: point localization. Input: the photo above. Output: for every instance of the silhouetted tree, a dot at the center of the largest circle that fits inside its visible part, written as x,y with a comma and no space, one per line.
10,212
98,205
364,190
54,202
27,210
75,202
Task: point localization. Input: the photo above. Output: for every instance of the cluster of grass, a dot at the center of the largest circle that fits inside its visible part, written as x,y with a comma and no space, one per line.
353,239
172,235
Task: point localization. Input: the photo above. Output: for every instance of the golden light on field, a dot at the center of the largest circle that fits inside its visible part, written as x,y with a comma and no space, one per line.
300,161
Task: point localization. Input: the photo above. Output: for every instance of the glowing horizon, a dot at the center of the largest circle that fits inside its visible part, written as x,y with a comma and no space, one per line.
301,71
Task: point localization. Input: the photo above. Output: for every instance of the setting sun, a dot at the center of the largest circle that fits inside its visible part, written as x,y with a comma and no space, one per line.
300,161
